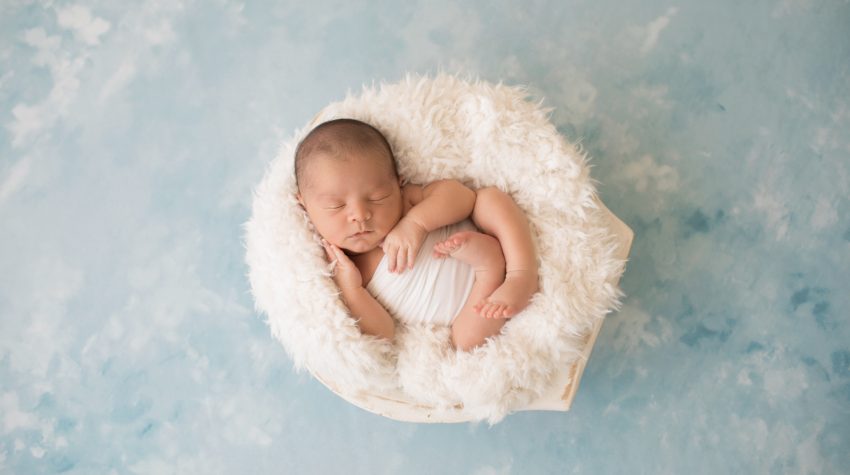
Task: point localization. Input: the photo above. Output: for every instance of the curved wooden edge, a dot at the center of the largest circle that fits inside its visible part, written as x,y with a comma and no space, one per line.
398,408
558,397
626,235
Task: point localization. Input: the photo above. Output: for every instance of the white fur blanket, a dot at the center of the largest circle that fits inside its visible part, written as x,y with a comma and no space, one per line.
481,134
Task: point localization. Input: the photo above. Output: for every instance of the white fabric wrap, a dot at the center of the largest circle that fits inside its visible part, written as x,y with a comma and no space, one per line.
434,291
483,135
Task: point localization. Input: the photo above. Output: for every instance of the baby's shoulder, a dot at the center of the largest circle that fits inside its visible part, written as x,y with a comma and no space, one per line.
411,194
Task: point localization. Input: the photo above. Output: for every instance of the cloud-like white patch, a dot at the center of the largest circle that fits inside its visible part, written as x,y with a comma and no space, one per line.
29,120
753,432
744,378
47,47
6,77
578,94
804,100
437,33
118,80
791,7
775,210
38,343
808,452
154,22
14,179
491,470
160,33
785,383
824,216
646,171
79,20
654,29
234,12
166,291
13,417
654,95
630,331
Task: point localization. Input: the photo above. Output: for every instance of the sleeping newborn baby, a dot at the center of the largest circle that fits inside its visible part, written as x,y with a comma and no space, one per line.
373,227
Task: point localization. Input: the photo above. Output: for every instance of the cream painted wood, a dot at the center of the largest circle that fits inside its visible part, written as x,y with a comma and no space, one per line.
558,397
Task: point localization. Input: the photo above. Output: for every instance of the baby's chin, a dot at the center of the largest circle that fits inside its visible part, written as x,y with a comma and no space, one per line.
359,247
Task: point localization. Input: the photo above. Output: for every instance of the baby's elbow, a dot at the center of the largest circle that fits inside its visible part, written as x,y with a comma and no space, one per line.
383,330
454,184
389,332
466,194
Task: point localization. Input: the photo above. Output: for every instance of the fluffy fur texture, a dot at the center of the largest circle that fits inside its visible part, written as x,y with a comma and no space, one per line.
483,135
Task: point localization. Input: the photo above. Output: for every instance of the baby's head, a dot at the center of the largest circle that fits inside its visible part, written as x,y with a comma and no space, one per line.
348,183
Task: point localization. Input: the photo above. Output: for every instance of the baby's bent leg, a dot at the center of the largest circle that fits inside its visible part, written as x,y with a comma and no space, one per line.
484,255
498,215
470,329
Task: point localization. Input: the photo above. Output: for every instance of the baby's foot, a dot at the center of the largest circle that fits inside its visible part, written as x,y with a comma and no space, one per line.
511,297
479,250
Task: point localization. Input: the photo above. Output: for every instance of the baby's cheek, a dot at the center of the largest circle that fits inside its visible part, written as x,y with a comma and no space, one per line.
326,234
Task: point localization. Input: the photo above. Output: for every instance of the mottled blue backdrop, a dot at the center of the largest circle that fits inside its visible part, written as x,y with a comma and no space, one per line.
131,134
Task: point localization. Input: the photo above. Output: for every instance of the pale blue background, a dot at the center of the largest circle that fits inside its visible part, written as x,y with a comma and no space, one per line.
132,133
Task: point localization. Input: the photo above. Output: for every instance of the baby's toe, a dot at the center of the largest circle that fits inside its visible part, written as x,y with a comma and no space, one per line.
498,311
493,310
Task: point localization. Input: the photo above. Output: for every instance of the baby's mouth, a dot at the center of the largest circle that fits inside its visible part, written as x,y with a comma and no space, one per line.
360,234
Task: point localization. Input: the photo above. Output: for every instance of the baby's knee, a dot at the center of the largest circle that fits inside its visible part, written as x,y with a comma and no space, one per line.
466,340
490,193
491,200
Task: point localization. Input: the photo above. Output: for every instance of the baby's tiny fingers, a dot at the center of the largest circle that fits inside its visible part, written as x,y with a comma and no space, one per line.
327,249
334,251
343,259
399,261
390,252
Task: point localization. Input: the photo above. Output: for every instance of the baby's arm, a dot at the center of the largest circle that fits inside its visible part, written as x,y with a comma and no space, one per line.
439,203
430,207
372,318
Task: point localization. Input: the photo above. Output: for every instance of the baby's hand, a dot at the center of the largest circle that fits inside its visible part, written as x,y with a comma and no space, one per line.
402,244
346,275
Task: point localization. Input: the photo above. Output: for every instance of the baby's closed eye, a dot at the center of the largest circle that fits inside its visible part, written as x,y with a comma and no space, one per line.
380,199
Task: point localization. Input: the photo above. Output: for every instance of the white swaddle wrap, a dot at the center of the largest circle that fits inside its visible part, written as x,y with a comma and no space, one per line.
433,291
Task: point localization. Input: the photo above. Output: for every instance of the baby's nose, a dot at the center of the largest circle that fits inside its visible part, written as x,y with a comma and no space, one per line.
360,214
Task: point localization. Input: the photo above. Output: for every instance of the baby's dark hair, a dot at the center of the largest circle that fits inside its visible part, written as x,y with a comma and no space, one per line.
334,138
